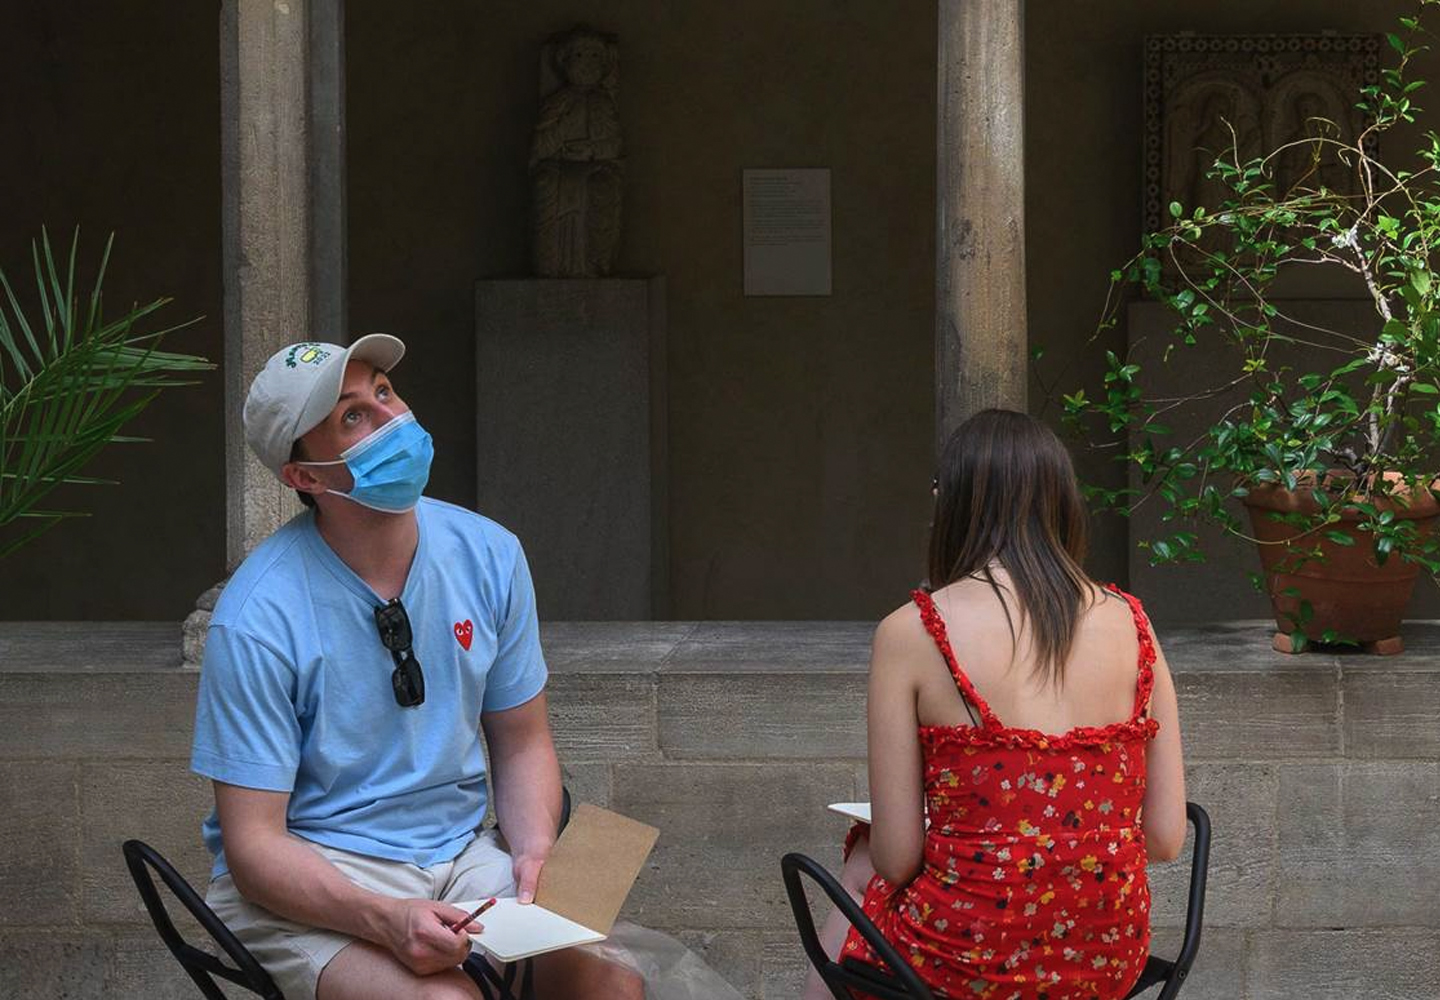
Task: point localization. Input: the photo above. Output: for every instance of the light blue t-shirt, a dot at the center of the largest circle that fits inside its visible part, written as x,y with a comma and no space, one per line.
295,692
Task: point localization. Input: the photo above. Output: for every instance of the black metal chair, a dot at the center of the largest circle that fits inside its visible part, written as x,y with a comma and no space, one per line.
516,982
903,984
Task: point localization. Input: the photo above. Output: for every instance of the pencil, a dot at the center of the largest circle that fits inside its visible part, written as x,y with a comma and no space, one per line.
478,910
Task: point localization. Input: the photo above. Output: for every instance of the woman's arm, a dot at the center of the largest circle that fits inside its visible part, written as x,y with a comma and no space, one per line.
1164,810
897,830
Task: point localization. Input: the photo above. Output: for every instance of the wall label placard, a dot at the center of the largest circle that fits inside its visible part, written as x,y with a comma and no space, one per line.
786,231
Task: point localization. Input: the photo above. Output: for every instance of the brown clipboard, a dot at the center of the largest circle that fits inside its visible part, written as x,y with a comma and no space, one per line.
593,866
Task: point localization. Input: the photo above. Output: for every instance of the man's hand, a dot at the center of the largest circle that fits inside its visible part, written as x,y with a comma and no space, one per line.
527,876
419,935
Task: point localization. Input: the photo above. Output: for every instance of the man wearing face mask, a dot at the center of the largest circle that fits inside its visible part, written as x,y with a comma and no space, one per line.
348,662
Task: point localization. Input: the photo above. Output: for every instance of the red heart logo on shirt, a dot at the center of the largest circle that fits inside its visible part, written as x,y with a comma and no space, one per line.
464,633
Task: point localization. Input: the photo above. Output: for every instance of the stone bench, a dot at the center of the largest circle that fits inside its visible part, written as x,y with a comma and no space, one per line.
1321,772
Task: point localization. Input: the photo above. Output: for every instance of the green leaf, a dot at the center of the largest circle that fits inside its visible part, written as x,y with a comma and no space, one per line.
69,393
1384,545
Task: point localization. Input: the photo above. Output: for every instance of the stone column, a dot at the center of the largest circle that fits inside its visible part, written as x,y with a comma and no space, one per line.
283,205
980,337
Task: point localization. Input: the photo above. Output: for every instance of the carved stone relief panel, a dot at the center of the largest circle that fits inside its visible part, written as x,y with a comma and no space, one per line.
1205,94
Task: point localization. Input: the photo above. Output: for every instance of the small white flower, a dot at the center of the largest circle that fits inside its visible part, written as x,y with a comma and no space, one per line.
1346,239
1387,359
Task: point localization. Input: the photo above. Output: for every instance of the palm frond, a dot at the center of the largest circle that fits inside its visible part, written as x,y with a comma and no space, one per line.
70,381
46,521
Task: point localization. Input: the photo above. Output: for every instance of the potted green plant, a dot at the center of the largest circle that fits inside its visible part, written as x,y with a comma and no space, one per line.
70,380
1329,438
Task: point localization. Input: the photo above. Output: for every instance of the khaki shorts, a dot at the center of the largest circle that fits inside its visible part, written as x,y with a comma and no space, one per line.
295,955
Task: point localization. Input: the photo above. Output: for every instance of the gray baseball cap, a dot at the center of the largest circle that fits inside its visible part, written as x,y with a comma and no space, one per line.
298,387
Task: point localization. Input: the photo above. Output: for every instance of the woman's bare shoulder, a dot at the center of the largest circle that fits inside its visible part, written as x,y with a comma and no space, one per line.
1111,607
901,632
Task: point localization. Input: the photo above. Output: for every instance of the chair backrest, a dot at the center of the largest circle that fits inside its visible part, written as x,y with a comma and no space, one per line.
906,985
201,966
1179,969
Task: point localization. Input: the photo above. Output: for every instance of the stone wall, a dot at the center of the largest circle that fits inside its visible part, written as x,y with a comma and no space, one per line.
1321,773
800,428
112,118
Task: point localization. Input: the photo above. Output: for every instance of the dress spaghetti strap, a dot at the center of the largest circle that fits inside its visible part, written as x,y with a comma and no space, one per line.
935,625
1145,672
1145,676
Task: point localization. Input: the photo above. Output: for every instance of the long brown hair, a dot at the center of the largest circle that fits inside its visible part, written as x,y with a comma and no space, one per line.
1007,494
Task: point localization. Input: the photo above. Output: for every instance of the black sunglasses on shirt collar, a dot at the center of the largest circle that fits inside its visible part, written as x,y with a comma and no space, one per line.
407,681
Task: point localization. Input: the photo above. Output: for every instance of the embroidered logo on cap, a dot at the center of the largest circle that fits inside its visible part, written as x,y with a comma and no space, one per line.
305,354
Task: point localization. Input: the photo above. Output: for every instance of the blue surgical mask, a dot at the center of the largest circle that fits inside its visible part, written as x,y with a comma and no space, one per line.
390,466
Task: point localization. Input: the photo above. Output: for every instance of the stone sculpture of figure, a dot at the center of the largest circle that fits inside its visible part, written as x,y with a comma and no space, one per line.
1200,124
1308,108
576,167
1211,117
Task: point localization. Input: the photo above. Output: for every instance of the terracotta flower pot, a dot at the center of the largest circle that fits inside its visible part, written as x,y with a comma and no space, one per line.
1349,590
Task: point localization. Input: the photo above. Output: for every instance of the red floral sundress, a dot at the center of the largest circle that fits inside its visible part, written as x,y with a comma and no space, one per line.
1033,883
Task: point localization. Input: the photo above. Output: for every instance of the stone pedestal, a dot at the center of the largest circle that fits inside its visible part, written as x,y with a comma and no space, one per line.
570,410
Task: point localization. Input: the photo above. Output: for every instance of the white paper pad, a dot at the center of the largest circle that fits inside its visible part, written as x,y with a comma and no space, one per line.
513,932
854,810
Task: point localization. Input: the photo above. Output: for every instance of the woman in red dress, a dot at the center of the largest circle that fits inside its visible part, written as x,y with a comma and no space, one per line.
1021,778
